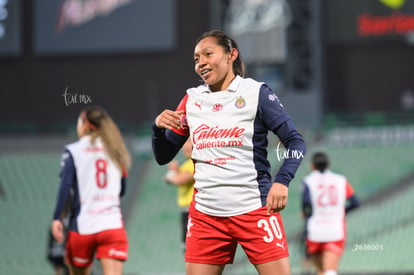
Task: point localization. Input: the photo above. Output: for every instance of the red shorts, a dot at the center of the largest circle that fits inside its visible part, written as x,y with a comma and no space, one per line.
315,247
112,243
213,240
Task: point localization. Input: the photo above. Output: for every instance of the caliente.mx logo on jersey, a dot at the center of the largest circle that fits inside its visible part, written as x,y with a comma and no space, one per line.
205,136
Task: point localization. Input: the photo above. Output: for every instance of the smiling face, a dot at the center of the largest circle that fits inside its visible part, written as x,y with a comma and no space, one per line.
213,64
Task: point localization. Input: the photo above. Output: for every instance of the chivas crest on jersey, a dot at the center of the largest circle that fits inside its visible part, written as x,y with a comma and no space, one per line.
240,102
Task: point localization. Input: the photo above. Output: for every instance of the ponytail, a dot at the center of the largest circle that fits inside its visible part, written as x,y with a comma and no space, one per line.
102,125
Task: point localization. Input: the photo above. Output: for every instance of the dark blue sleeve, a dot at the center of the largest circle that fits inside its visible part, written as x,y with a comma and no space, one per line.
67,180
306,201
295,148
166,144
277,120
272,111
352,203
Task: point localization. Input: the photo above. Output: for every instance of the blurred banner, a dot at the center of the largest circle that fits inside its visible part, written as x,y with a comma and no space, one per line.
259,27
104,26
370,21
10,34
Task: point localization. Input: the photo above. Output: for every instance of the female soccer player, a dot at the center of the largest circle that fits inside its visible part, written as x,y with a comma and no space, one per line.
324,199
94,170
235,199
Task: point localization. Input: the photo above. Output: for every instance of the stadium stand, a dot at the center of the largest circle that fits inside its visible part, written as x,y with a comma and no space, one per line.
29,182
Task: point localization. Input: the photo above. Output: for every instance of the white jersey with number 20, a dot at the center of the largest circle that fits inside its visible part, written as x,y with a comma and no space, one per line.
328,193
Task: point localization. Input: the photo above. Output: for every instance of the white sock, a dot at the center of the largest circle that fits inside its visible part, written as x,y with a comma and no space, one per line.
330,272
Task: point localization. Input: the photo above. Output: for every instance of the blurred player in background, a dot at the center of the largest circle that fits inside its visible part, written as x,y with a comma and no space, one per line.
182,177
56,250
94,170
326,198
236,200
56,255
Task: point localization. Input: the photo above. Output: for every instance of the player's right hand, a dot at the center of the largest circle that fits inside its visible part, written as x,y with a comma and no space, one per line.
169,119
57,231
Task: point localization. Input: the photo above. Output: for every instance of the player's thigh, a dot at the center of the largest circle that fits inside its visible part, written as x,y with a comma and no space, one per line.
209,240
276,267
262,236
317,261
111,266
203,269
330,260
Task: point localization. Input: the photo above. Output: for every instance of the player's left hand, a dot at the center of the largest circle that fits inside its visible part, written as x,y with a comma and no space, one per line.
174,165
277,198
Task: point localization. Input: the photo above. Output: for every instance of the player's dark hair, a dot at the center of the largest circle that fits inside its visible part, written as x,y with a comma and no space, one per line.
228,43
102,125
320,161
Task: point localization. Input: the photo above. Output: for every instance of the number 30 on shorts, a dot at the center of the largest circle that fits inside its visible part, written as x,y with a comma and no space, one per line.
272,229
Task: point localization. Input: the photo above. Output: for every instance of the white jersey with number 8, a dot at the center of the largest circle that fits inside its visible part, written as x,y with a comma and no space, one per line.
98,183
